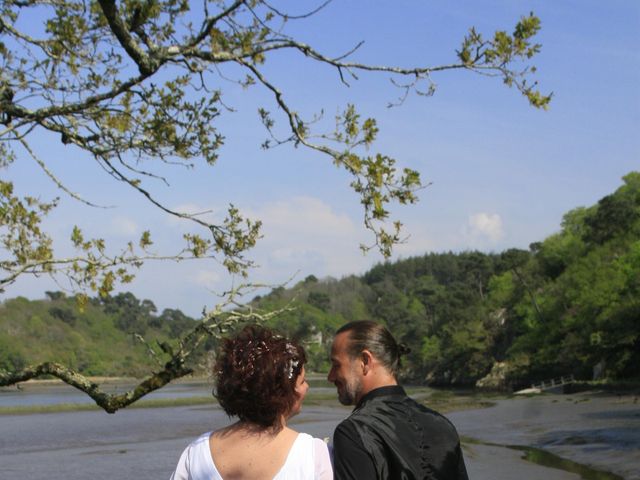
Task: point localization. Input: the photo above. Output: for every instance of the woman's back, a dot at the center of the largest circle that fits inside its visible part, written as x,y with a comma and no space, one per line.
240,453
225,456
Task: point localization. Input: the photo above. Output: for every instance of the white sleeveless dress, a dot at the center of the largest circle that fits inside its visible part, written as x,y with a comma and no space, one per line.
308,459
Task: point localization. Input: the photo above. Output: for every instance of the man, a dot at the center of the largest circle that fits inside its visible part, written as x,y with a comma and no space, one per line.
388,435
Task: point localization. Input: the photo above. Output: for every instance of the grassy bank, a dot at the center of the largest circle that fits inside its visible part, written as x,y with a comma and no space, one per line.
441,400
445,401
80,407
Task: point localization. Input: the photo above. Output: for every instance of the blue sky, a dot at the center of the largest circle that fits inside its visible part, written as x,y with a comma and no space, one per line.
502,173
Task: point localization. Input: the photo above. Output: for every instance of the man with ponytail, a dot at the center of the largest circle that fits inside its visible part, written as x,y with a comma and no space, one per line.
388,435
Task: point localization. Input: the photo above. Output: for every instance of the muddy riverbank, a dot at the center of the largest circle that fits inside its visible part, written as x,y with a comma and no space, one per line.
598,430
595,430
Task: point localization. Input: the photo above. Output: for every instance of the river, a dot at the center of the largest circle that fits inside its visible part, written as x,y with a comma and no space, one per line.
601,431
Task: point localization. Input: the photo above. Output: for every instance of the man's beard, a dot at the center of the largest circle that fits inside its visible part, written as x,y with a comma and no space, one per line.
349,392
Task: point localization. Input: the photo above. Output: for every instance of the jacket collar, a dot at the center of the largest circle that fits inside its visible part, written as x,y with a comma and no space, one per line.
380,392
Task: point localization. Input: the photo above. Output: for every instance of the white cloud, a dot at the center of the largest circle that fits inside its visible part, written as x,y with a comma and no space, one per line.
305,234
419,240
206,278
487,225
304,216
123,226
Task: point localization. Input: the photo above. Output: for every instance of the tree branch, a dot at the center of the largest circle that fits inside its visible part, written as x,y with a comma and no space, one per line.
207,27
146,64
55,180
214,324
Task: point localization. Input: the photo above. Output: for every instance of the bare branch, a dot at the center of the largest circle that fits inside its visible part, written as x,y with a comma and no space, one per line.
205,31
55,180
214,324
38,267
288,16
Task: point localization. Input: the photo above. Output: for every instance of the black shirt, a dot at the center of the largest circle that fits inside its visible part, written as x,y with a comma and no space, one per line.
391,436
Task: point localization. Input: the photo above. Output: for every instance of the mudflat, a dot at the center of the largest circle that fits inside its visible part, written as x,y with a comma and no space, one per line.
594,429
597,430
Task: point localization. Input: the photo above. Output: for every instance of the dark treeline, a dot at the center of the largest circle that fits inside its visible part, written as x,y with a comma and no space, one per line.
570,304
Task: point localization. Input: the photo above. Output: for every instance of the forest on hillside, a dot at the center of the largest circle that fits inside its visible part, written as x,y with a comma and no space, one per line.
570,304
111,336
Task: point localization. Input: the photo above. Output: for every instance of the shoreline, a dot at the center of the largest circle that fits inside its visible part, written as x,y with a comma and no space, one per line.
614,387
442,401
596,430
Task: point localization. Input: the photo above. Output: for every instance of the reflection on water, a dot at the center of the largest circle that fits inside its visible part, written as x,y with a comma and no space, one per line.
615,438
548,459
592,428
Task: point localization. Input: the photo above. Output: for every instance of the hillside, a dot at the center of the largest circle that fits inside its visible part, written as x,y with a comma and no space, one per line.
96,340
570,304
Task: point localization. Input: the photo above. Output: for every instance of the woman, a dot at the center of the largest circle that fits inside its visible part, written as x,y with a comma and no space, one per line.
260,379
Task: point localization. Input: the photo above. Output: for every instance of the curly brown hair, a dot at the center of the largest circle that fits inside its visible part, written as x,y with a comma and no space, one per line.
256,373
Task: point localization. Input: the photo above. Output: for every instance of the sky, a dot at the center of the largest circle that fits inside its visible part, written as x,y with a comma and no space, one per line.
500,174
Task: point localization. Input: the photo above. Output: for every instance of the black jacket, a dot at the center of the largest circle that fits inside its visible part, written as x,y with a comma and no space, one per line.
391,436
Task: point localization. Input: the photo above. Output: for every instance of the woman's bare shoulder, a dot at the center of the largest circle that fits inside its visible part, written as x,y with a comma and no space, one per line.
234,451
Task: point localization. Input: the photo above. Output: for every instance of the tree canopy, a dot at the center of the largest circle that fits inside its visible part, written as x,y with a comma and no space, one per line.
134,84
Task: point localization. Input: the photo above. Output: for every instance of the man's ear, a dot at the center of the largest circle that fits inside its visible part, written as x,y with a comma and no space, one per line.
367,361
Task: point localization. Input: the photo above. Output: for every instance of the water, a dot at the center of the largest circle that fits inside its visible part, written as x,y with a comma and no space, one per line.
550,437
548,459
144,444
55,394
38,394
595,430
542,457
